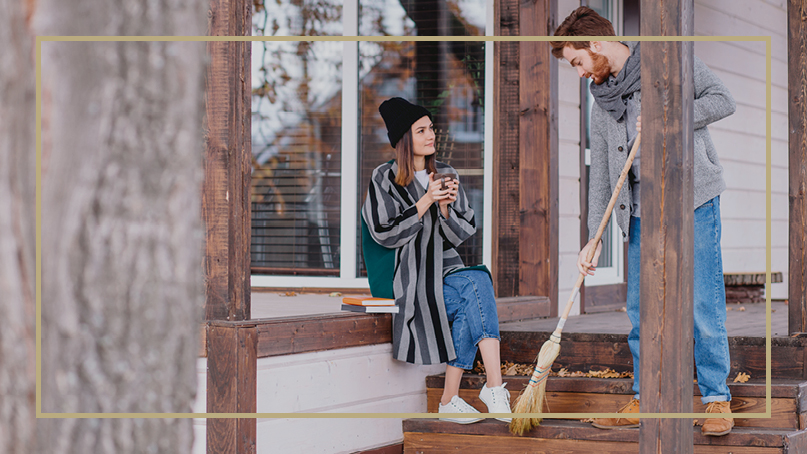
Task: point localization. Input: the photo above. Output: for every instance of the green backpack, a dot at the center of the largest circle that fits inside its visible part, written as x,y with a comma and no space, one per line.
379,262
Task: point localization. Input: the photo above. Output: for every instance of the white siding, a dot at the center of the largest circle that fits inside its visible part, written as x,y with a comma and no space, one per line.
740,139
350,380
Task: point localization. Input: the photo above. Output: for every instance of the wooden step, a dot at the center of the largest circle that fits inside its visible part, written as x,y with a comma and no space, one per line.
585,351
573,437
517,308
601,395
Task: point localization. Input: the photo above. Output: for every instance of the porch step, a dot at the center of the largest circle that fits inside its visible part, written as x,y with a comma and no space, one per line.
573,437
603,395
518,308
586,351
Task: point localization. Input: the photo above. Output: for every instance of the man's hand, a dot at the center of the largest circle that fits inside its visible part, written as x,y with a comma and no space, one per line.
638,124
589,267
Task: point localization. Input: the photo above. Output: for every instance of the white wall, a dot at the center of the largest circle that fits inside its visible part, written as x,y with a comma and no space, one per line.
350,380
740,139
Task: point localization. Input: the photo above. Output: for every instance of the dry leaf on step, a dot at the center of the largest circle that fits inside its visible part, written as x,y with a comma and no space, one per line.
288,294
742,377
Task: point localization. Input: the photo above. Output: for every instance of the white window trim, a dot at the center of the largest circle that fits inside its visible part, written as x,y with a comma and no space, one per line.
349,171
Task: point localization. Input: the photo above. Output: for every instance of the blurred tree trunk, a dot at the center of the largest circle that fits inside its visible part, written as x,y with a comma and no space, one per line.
17,222
122,240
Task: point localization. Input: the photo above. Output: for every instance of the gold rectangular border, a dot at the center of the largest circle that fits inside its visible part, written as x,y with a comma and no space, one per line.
41,39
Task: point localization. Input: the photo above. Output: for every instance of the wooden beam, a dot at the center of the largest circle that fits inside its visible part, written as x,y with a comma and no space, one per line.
505,154
538,155
227,213
232,365
797,164
667,227
226,208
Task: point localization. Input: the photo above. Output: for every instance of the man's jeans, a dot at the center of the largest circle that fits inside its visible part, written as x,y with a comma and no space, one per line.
711,343
471,309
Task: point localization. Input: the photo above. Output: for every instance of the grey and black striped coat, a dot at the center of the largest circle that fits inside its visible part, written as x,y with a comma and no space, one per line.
425,253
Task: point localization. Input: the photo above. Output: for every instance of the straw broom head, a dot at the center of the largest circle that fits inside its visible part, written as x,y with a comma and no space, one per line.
531,399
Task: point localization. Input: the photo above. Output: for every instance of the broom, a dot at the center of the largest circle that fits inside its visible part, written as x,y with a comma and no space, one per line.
531,399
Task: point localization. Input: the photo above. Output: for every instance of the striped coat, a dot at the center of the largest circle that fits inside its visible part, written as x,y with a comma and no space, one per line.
425,253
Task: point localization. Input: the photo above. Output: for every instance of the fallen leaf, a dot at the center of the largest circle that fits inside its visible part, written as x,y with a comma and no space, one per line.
288,294
335,294
741,309
741,377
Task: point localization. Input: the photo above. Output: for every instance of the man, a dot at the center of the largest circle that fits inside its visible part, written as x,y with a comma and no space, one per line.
615,70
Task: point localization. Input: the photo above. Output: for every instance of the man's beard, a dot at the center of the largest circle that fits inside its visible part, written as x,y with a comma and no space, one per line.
601,69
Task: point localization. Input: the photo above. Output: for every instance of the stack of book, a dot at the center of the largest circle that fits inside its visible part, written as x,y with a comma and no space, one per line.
369,305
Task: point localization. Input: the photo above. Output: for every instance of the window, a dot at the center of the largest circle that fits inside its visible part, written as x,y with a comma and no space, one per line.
317,134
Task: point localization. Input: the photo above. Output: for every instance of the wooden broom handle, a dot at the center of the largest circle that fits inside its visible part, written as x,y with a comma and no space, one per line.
604,222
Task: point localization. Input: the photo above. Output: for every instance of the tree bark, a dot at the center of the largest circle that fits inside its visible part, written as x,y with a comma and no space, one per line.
122,240
17,222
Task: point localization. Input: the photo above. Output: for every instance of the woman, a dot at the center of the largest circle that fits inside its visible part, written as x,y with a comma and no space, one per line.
446,311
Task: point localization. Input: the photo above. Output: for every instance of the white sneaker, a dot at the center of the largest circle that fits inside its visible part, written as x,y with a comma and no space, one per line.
457,405
497,399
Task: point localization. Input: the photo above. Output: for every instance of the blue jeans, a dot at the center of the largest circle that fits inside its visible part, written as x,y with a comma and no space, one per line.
471,310
709,293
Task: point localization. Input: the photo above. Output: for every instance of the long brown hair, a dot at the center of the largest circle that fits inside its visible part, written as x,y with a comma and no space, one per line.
583,21
405,157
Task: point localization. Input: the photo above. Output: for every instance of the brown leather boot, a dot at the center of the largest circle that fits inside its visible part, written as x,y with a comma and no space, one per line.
613,423
716,427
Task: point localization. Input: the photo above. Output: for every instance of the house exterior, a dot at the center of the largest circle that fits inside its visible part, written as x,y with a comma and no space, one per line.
310,171
330,197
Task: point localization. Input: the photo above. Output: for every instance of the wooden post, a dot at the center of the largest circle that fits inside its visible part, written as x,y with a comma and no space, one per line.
226,211
505,155
538,155
232,355
667,227
226,207
797,164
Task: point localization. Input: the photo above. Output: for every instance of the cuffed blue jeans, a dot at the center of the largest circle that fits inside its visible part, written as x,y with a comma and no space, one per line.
711,341
471,310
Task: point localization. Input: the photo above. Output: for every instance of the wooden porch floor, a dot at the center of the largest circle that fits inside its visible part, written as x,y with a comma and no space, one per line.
741,320
749,322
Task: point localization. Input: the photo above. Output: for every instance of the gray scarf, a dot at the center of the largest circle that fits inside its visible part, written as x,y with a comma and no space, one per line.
612,94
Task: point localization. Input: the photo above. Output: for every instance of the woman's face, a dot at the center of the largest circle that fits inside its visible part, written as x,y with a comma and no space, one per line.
423,137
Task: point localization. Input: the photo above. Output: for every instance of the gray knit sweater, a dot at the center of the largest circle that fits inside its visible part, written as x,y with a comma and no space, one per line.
609,150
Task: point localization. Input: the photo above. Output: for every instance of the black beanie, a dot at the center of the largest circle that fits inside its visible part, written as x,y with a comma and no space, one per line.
399,115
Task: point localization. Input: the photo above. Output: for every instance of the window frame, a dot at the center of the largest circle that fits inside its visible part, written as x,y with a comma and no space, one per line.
347,277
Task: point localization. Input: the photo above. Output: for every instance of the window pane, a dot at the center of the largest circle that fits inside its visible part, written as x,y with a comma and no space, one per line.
446,77
296,139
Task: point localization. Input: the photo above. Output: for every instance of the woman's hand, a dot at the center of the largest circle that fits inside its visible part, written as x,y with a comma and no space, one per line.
452,186
589,267
434,193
